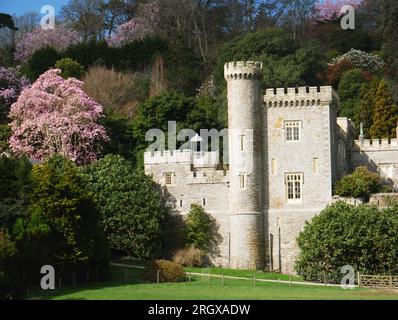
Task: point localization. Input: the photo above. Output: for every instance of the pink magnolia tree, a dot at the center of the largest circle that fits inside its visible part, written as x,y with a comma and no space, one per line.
54,116
59,38
331,9
135,29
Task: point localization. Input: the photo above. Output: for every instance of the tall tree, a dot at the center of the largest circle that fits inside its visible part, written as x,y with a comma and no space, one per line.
385,115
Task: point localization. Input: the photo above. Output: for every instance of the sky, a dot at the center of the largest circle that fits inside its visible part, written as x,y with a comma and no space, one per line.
19,7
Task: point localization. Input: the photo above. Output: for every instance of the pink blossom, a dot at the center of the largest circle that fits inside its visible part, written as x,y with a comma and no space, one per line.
59,38
135,29
11,84
330,9
56,116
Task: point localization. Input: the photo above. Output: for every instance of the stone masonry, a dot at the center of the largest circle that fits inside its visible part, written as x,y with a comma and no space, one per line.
287,148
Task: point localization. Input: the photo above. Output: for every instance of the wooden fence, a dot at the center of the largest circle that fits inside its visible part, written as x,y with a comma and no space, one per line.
367,281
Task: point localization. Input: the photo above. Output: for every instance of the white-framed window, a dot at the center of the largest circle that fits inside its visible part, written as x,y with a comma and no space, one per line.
243,181
294,187
168,178
292,129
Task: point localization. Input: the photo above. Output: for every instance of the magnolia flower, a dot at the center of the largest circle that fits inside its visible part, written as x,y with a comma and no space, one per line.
55,115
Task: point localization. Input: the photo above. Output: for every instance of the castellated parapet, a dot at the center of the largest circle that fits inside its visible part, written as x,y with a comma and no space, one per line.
300,97
243,70
197,159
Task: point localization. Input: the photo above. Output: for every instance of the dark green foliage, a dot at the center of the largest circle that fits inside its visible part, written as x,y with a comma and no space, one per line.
201,231
284,63
385,115
5,134
350,88
121,140
363,237
42,60
361,183
132,206
200,113
168,272
365,107
70,68
137,55
14,189
157,111
64,223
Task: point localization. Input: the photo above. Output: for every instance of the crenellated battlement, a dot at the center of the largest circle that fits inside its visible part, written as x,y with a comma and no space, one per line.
198,159
242,70
299,97
376,144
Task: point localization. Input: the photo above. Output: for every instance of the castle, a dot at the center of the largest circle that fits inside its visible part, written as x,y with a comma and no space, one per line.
287,148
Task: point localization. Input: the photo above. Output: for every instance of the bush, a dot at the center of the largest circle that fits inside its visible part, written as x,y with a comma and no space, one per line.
131,204
189,257
169,271
361,183
70,68
42,60
363,237
201,231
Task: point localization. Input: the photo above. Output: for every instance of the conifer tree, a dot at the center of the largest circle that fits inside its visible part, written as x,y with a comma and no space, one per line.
385,114
365,108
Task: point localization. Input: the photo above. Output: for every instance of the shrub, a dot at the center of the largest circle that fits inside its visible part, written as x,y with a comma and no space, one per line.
131,204
70,68
363,60
41,61
361,183
189,257
201,231
363,237
169,271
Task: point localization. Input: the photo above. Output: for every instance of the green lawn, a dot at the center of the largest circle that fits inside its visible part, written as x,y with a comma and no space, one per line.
127,286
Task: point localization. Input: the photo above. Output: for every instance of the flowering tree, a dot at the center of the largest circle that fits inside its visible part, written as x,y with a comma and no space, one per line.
135,29
330,9
56,116
11,85
58,38
361,59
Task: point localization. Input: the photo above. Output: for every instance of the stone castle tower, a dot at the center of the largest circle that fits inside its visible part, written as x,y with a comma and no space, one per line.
246,205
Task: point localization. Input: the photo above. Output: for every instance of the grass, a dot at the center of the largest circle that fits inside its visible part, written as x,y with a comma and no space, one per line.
244,273
127,285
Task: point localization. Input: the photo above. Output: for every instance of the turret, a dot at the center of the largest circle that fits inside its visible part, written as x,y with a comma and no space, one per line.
245,102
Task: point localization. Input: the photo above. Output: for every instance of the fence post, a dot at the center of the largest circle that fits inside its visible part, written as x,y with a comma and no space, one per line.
390,281
324,279
359,279
189,277
222,278
158,277
291,280
254,278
